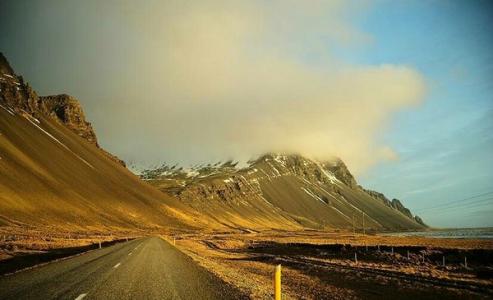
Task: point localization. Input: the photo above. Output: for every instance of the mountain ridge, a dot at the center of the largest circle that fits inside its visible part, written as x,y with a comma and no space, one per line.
323,181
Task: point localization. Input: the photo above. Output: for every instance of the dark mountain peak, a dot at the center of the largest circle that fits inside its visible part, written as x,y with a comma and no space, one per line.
337,167
283,159
63,108
334,167
5,67
380,196
420,221
227,164
68,111
397,204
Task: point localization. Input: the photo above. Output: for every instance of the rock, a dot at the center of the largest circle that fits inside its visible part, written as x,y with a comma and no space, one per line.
5,67
341,172
67,110
396,204
380,197
420,221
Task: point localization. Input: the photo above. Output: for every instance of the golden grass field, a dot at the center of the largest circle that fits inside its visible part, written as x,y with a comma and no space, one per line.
315,264
320,265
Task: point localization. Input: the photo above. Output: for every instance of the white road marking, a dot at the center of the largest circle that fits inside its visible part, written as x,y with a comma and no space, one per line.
81,296
117,265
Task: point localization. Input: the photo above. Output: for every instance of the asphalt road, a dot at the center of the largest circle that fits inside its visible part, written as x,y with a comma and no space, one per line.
147,268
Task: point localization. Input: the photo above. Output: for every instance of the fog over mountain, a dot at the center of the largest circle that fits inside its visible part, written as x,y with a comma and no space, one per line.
218,80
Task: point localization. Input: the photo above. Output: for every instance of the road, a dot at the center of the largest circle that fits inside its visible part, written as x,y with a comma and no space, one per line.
147,268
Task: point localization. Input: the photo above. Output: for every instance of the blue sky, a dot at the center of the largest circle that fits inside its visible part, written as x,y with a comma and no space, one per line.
187,82
445,145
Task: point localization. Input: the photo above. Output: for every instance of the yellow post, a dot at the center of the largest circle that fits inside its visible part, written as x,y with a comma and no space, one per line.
277,283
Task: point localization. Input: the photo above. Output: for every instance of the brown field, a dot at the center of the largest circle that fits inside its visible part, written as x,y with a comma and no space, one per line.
320,265
19,242
315,264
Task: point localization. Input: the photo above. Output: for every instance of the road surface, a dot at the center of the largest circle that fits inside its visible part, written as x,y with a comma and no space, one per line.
147,268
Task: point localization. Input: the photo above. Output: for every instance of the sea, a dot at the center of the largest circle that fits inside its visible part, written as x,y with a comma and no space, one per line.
456,233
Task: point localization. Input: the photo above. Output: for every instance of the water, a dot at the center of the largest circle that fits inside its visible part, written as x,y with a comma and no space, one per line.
461,233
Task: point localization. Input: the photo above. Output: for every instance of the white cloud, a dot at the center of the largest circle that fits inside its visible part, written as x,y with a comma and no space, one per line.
234,79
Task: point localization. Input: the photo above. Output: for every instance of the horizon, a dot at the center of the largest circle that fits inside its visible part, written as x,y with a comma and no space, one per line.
401,92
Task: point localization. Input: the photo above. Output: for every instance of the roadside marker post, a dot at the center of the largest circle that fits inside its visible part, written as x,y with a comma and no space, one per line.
423,255
392,250
355,257
277,283
364,229
99,244
465,261
408,254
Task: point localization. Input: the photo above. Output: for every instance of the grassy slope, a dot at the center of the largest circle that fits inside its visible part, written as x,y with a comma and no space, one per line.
72,182
288,193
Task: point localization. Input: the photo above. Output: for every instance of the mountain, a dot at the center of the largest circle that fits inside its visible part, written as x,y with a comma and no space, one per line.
54,174
282,191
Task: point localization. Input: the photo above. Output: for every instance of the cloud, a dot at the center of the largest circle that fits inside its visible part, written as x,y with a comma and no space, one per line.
233,79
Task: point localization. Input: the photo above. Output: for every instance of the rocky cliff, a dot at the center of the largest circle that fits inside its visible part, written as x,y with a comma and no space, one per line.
395,204
64,109
340,171
68,111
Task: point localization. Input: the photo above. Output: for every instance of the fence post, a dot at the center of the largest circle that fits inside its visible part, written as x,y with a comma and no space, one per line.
277,283
354,228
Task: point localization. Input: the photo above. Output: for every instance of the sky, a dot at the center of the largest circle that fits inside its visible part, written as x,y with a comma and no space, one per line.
400,90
